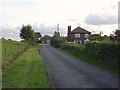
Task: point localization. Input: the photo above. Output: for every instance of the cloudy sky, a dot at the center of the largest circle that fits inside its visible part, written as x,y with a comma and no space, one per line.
44,15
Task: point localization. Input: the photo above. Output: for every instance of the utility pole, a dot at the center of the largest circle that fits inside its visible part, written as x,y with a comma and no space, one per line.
58,30
58,27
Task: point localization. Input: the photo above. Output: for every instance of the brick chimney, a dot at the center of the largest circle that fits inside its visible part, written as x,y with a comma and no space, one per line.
69,30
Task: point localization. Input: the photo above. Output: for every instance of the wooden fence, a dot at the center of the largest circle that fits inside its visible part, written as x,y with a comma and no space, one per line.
11,49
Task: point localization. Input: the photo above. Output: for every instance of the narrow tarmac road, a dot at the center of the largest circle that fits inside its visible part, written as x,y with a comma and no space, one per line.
69,72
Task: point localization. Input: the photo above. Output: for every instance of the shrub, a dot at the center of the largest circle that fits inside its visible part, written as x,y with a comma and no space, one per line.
107,53
102,51
75,48
56,42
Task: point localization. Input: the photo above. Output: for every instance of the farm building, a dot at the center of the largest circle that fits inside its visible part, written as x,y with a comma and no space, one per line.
45,39
78,35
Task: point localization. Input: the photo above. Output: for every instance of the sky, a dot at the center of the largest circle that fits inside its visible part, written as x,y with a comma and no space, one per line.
44,15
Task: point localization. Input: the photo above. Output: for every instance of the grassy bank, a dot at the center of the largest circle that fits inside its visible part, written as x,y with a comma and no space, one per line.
98,63
11,50
27,71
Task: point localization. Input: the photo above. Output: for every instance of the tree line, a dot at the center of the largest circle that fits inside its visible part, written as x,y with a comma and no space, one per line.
28,35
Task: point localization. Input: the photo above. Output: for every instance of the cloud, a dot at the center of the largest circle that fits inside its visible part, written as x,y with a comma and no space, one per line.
48,13
72,20
10,33
43,29
114,7
101,19
19,3
47,30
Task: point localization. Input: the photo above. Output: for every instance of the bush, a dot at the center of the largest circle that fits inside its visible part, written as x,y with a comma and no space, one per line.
106,53
102,51
56,42
75,48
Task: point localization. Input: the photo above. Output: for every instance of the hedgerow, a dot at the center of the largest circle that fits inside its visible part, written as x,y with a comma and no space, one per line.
106,53
75,48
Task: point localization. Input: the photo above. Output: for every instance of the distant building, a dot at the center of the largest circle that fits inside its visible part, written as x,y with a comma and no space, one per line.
78,35
46,39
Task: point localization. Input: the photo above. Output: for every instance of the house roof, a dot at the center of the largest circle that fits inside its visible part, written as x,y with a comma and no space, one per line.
45,37
80,30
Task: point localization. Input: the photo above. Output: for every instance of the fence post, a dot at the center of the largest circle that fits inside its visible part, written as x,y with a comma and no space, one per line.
15,48
11,50
5,51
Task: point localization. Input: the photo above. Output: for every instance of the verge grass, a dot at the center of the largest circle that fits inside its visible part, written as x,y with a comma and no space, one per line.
92,61
27,71
11,50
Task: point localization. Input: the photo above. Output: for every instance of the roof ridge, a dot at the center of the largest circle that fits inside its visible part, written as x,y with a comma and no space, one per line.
80,30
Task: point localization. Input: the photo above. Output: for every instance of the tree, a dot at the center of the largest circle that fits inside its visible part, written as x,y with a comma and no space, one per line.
106,38
116,36
96,37
10,39
38,36
56,34
56,40
100,33
64,37
3,38
27,33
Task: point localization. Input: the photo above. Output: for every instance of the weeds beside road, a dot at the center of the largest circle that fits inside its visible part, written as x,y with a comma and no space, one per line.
27,71
11,50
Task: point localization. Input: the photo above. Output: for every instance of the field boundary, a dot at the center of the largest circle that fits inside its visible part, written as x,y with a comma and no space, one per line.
11,50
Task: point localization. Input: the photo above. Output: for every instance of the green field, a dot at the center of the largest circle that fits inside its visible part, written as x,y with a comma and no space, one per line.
11,47
27,71
11,50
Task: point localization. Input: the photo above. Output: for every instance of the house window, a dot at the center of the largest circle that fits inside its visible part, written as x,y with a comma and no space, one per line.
77,35
86,35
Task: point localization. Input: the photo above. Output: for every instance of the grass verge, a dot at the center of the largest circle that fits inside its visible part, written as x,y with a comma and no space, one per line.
11,50
97,63
27,71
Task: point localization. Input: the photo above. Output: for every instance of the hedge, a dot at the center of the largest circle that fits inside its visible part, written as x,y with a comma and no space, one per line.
99,51
75,48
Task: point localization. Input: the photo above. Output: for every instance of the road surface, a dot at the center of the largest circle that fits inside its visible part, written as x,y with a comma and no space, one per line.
69,72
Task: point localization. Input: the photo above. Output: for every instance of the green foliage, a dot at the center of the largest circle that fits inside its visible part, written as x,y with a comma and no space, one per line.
64,37
101,52
56,34
75,48
96,37
116,36
27,33
106,39
11,50
38,36
27,71
56,40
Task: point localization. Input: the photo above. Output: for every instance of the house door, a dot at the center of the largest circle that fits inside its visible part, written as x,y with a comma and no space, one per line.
82,41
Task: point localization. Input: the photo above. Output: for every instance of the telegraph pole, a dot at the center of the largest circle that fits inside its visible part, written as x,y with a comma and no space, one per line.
58,27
